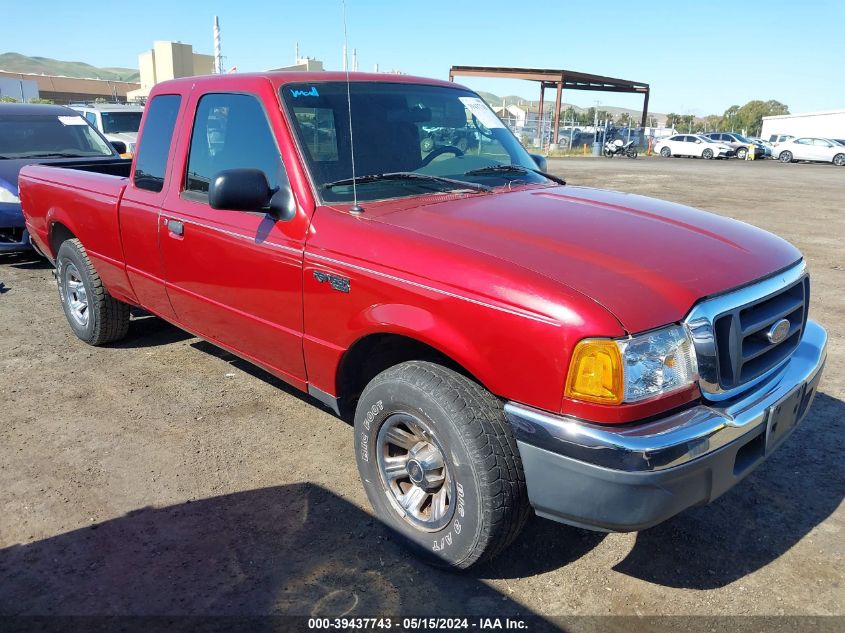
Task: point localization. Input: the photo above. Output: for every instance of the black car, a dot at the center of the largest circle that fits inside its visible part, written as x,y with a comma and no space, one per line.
32,133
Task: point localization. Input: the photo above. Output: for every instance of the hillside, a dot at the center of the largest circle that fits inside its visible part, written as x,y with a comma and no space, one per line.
17,63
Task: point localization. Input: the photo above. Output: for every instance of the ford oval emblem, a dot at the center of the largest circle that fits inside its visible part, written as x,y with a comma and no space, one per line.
778,332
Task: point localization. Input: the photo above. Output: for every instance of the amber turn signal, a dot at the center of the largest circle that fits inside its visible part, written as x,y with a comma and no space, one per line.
595,372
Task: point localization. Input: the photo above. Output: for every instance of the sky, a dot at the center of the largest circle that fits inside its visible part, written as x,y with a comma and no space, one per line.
699,57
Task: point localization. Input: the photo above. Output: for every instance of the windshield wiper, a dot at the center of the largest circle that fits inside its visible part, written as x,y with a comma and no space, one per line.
408,175
47,155
495,169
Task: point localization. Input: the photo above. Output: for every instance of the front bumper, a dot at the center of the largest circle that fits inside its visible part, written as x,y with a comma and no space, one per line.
635,476
14,238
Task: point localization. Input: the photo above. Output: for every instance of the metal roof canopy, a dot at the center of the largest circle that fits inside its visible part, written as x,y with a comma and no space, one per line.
558,79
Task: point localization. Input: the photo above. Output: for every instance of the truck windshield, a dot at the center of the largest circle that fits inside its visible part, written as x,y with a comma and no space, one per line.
118,122
446,135
49,135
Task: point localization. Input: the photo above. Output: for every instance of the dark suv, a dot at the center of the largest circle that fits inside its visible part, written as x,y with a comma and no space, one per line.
738,142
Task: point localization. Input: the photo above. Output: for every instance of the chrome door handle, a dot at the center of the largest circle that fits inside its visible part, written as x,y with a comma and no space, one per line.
176,227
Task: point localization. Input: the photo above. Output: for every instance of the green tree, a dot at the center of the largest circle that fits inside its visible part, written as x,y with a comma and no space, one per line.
43,101
8,100
651,121
672,119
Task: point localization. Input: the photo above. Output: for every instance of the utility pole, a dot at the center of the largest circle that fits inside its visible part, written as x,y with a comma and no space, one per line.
218,56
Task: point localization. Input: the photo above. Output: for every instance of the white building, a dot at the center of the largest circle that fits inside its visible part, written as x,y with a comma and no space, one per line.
828,124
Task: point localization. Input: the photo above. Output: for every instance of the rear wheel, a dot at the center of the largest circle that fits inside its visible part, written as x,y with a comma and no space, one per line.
92,313
839,160
439,463
785,157
708,154
665,152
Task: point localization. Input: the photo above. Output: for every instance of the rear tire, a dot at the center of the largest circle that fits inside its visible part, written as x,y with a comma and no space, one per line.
439,463
785,157
92,313
839,160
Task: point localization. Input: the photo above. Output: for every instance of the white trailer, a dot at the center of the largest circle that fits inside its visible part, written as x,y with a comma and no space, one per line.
827,124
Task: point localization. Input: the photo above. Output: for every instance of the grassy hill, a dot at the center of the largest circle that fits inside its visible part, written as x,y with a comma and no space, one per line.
17,63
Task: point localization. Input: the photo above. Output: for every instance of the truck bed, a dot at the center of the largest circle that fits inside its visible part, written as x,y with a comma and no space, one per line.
81,197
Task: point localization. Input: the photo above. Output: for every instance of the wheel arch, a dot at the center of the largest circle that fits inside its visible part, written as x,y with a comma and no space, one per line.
375,352
59,232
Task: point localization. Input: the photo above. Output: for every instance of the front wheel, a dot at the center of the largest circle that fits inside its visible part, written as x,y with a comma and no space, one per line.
439,463
741,153
839,160
631,153
708,154
93,314
665,152
785,157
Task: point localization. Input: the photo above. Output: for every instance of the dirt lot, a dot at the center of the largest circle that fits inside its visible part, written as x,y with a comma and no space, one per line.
162,476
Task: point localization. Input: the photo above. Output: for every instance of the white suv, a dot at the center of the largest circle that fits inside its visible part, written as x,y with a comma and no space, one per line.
117,122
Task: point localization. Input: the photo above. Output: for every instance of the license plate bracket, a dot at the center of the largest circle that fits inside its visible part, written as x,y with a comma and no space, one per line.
783,417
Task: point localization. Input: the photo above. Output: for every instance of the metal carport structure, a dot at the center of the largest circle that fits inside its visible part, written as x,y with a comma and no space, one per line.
558,79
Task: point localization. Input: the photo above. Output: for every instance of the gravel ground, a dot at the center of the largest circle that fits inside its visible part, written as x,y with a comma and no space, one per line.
128,486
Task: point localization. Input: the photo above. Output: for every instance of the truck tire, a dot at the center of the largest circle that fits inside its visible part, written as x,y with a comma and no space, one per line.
439,463
93,314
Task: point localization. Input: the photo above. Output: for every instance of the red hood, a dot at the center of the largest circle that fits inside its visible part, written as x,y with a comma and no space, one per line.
647,261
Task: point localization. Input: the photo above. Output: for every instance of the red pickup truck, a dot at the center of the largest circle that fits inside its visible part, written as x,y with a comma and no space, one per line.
501,340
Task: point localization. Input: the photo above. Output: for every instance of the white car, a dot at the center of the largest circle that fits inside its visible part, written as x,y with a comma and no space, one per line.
692,145
821,150
117,121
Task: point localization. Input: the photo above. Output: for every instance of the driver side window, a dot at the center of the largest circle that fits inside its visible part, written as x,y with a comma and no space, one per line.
231,131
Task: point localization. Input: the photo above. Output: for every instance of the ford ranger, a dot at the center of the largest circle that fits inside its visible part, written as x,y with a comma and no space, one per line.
501,340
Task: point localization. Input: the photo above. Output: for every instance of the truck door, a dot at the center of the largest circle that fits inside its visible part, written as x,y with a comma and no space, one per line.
141,203
235,277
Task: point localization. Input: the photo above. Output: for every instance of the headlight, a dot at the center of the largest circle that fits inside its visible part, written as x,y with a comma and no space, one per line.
632,369
8,196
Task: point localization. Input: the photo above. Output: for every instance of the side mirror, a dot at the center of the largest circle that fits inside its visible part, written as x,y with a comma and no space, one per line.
119,146
282,204
540,161
247,189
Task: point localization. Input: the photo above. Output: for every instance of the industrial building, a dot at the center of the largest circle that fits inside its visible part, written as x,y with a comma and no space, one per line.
827,124
62,90
169,60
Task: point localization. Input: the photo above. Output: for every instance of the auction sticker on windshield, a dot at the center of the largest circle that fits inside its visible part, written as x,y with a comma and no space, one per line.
481,112
72,120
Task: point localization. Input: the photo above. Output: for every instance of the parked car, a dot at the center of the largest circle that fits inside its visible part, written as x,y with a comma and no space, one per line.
499,339
41,134
692,145
767,147
117,122
777,139
738,143
822,150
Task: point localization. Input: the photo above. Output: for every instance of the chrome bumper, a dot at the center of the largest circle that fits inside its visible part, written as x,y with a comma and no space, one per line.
681,437
632,477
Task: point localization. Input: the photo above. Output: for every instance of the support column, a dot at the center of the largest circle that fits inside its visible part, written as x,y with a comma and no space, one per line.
540,114
557,110
645,107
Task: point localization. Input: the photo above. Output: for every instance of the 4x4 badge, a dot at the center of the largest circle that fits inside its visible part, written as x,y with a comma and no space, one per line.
337,282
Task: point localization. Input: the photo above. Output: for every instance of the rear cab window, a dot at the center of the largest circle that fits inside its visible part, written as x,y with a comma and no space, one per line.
154,148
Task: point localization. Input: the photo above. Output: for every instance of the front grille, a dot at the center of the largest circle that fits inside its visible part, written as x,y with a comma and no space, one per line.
729,331
11,236
744,350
